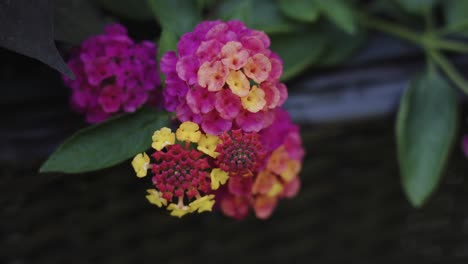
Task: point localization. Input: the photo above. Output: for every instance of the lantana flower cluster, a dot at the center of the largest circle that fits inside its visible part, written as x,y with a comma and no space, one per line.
223,76
238,170
236,149
275,175
113,74
181,168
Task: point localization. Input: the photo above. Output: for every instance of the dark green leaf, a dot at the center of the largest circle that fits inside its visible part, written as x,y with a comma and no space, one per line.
340,45
416,6
27,27
134,9
302,10
298,50
178,16
455,12
258,14
204,4
425,131
339,12
235,9
76,20
106,144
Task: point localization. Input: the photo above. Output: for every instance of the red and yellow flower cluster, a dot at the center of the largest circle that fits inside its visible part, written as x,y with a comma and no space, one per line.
237,170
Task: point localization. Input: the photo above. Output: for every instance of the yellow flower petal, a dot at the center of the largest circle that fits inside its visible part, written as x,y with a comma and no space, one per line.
177,211
276,189
293,167
163,137
207,144
140,164
218,177
155,198
202,204
255,100
278,160
238,83
188,131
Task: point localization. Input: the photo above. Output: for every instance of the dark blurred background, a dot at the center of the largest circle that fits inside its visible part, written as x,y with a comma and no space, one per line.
351,208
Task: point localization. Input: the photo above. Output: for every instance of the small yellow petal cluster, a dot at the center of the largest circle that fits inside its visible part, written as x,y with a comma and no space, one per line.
200,205
203,204
207,144
218,177
238,83
140,164
162,137
177,210
188,131
155,198
255,100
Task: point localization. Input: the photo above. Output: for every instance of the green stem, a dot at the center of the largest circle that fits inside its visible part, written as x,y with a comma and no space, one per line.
390,28
449,45
429,20
449,69
425,40
455,28
430,63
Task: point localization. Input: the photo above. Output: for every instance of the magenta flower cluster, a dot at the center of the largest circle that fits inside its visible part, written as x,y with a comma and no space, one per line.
113,74
223,76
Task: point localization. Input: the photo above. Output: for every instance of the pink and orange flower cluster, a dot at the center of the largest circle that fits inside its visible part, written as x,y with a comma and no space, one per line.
223,76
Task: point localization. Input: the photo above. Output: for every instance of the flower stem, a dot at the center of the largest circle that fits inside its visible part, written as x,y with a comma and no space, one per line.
449,69
389,27
450,45
427,40
455,28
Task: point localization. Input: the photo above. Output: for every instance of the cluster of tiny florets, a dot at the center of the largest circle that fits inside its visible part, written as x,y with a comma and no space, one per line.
275,179
113,74
223,76
180,172
240,153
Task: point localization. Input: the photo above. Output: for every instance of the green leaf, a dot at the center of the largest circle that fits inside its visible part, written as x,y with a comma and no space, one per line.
106,144
425,132
204,4
235,9
340,45
302,10
339,12
455,12
298,50
416,6
135,9
263,15
76,21
178,16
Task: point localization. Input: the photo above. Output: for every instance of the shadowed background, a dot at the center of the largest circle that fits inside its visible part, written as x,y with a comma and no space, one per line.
350,209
